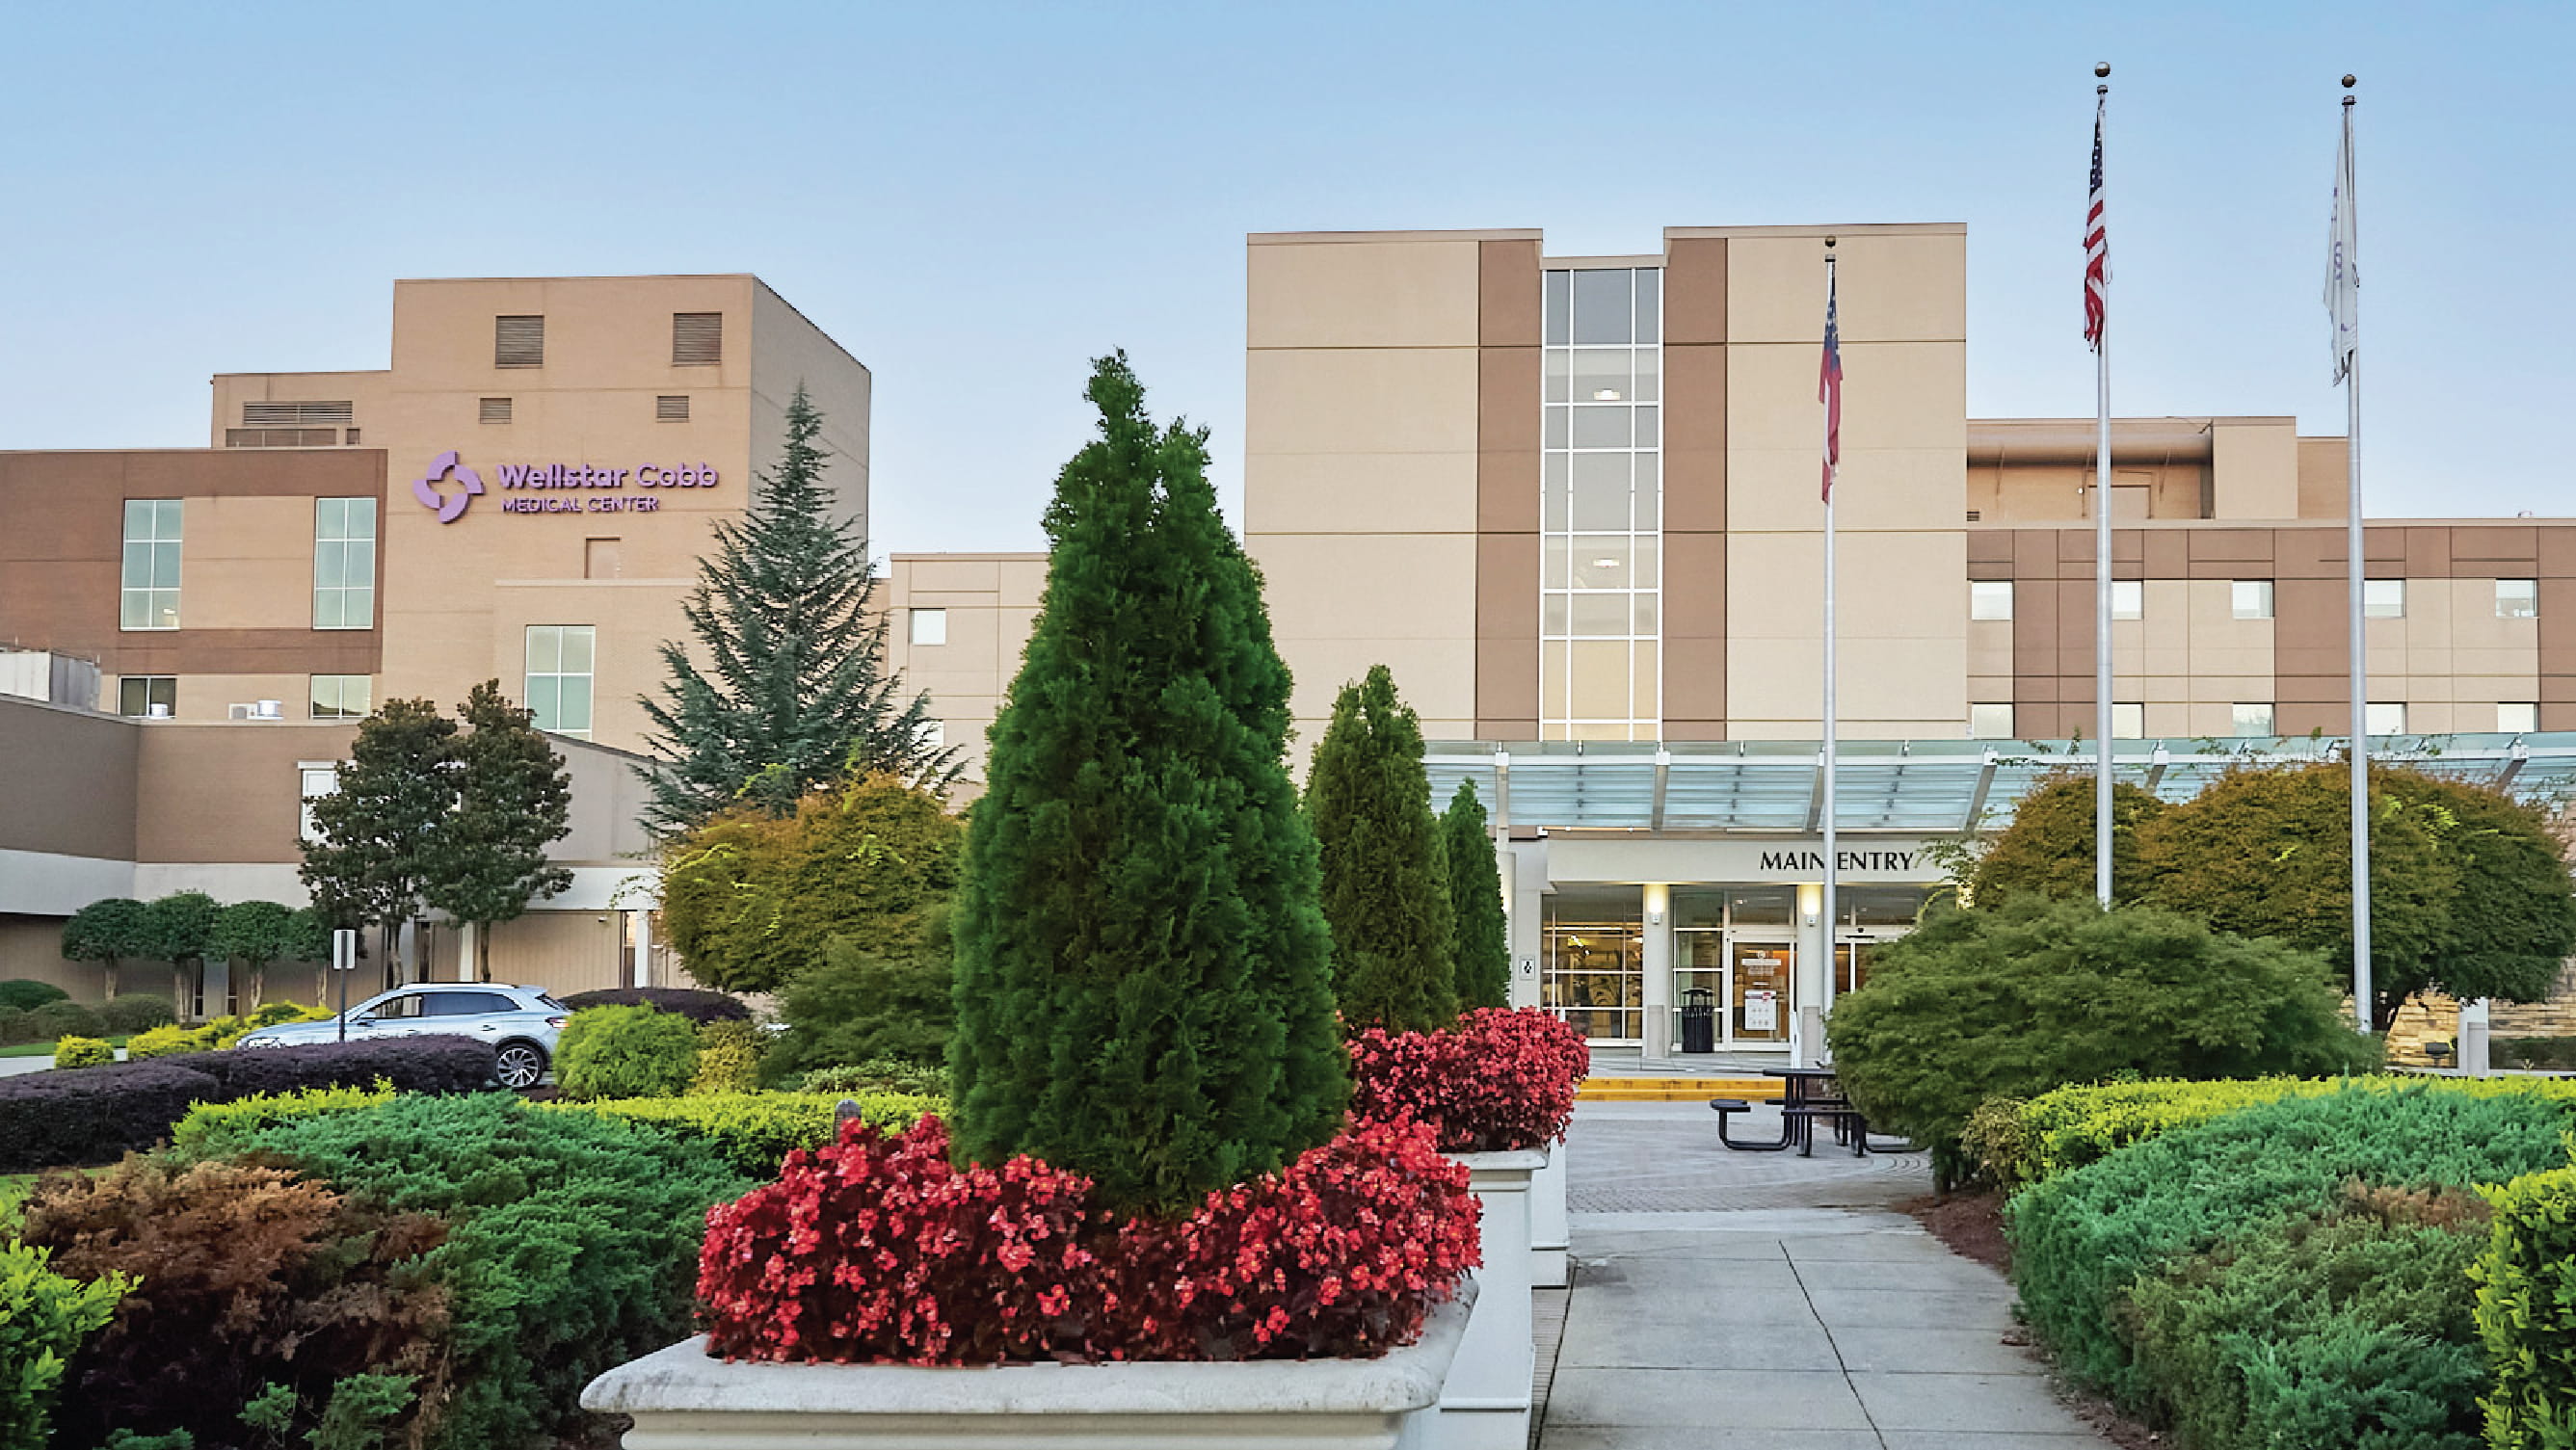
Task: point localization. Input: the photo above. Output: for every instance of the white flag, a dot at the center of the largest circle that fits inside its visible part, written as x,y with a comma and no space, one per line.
2343,281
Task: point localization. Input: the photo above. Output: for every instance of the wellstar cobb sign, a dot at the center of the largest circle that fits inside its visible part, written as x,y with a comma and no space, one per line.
448,486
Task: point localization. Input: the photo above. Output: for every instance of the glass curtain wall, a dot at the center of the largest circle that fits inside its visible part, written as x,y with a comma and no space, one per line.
1594,966
1601,505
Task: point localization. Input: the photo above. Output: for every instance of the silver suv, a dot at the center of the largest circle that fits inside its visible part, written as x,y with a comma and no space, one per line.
521,1023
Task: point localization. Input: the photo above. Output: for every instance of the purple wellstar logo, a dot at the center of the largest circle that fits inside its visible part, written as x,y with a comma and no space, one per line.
449,507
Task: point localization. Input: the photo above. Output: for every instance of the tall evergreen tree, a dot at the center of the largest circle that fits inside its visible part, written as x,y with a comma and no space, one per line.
1386,889
796,690
1144,991
377,831
513,799
1484,976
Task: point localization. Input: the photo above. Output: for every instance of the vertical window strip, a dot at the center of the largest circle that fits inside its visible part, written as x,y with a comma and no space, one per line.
1601,614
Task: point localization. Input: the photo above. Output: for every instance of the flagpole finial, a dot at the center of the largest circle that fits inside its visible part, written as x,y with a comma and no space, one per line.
2102,71
1829,243
2349,82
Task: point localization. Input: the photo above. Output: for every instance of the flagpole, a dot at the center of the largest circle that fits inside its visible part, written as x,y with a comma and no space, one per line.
2102,561
2355,566
1830,722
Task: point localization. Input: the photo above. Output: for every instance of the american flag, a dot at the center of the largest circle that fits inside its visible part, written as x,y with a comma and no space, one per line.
2097,245
1829,389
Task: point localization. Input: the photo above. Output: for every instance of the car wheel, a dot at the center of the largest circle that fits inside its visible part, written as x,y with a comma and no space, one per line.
519,1065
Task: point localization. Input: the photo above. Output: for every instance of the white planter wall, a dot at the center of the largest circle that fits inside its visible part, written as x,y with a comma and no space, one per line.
683,1400
1551,1233
1486,1403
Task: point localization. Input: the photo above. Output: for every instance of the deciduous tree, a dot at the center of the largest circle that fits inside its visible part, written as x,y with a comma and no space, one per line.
378,830
105,932
2048,849
513,800
1143,989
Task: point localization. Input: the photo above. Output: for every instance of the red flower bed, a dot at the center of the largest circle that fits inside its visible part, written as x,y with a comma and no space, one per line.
1502,1079
879,1249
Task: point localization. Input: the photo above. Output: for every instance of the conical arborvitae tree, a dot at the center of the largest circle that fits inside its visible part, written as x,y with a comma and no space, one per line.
795,691
1386,891
1476,902
1144,990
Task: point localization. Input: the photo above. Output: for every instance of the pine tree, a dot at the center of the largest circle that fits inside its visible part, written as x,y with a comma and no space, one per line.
1143,980
513,799
377,830
795,692
1484,976
1386,889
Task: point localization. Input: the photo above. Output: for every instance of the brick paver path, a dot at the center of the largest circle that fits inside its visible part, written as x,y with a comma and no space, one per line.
1726,1301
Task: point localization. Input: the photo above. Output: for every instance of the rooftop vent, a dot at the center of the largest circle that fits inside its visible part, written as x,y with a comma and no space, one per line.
297,415
697,337
518,342
253,710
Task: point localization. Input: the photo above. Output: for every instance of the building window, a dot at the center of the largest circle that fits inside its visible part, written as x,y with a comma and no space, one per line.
2251,599
1990,599
603,559
1601,505
696,337
149,598
148,696
314,781
493,410
2519,719
929,626
518,342
2128,720
2383,719
344,563
671,408
559,672
2128,599
343,697
2253,720
1990,722
2517,599
2383,599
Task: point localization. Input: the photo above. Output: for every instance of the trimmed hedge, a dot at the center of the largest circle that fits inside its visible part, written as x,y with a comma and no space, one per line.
701,1007
626,1052
212,1128
99,1114
2526,1312
27,994
2552,1054
64,1019
70,1052
2083,1240
754,1132
878,1075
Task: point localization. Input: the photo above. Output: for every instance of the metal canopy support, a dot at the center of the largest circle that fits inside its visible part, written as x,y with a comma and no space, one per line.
1977,797
1502,787
2514,761
2156,764
1816,795
1663,773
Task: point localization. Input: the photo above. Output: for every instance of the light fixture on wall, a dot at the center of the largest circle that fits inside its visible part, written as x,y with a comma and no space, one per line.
1812,916
1654,916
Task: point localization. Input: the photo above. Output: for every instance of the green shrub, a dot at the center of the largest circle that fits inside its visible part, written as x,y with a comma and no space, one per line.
728,1058
82,1052
870,1002
626,1052
214,1128
878,1075
2549,1054
14,1027
2037,994
1998,1142
753,1132
44,1317
135,1012
2350,1328
166,1041
65,1019
572,1240
2083,1239
2526,1312
26,994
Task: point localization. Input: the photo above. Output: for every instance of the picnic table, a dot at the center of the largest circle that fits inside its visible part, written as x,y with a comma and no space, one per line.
1806,1095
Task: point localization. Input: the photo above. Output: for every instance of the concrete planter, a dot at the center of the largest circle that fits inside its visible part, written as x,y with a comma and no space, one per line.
1486,1403
1551,1234
683,1400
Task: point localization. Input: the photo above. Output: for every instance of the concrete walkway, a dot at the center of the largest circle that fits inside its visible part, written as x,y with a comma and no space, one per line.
1728,1301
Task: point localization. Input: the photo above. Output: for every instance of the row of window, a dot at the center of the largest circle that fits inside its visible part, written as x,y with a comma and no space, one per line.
2129,719
667,408
330,697
2252,599
520,341
344,564
561,664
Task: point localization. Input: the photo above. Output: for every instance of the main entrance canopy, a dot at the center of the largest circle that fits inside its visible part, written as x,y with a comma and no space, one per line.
1911,787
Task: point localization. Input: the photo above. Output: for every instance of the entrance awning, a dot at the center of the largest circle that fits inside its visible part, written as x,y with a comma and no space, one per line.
1909,786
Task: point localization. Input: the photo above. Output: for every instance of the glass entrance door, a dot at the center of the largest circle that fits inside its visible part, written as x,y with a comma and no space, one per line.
1757,998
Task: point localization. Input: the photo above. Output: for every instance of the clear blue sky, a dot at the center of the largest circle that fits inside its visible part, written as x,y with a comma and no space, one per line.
975,199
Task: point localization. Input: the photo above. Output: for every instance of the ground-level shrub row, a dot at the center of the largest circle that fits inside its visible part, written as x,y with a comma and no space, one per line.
2289,1272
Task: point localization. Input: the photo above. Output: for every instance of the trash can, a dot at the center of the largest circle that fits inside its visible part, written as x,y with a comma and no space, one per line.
1699,1020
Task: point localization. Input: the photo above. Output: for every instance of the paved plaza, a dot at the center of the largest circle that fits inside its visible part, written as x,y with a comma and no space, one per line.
1727,1301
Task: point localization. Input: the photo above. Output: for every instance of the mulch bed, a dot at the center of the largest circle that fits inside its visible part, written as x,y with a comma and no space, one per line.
1971,1225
